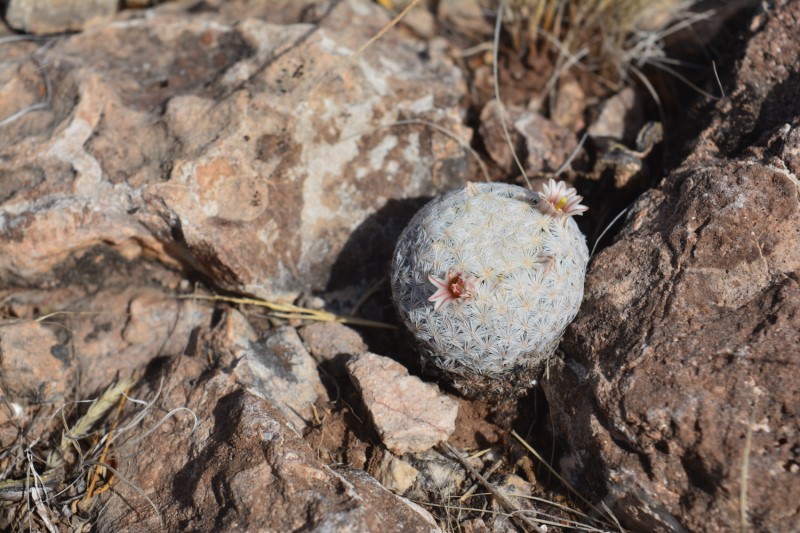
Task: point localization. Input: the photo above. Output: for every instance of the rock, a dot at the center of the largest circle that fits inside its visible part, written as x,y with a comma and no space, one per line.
124,329
474,525
35,365
409,415
491,131
404,515
58,16
278,367
114,314
619,118
685,346
221,178
546,144
421,22
465,17
438,476
569,106
241,469
394,473
326,340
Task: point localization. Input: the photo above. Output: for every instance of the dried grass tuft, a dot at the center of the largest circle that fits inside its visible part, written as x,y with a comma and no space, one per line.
53,483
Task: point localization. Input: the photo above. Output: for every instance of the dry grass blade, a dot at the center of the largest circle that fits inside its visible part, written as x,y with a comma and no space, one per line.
522,521
383,30
33,107
108,440
566,483
744,479
164,419
605,230
96,411
51,479
496,75
289,311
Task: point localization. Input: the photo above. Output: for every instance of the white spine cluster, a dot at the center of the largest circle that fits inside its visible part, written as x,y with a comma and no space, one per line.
487,277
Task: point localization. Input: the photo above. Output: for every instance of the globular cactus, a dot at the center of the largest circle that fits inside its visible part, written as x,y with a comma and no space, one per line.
487,277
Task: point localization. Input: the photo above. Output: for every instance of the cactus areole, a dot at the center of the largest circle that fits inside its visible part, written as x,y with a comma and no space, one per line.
486,278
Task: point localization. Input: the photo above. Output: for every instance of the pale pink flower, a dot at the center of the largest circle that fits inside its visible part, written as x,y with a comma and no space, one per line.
459,286
561,201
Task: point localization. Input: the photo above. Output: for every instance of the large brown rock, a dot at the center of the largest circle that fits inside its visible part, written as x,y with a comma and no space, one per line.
678,394
245,151
241,469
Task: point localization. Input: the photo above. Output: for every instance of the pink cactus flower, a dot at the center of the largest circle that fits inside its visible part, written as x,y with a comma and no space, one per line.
459,286
560,200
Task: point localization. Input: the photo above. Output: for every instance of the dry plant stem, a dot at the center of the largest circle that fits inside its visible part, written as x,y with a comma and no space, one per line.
448,507
497,27
17,489
96,411
748,441
289,311
383,30
109,440
470,491
42,510
522,521
367,295
562,479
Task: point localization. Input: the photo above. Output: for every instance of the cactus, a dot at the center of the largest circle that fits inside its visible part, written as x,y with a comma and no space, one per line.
486,278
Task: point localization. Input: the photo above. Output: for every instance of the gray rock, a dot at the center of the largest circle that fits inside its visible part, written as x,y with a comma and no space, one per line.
326,340
546,144
58,16
619,119
276,367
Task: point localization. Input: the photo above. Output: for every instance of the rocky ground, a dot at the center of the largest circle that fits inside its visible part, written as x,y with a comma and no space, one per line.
159,164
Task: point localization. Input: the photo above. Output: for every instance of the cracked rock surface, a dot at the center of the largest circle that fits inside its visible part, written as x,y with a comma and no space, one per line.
246,151
681,367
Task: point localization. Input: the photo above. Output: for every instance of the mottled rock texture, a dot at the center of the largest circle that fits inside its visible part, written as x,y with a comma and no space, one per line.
327,340
682,366
241,469
260,156
278,367
409,414
56,16
35,365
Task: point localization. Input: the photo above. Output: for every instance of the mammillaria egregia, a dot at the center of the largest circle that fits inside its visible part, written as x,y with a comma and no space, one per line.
487,277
